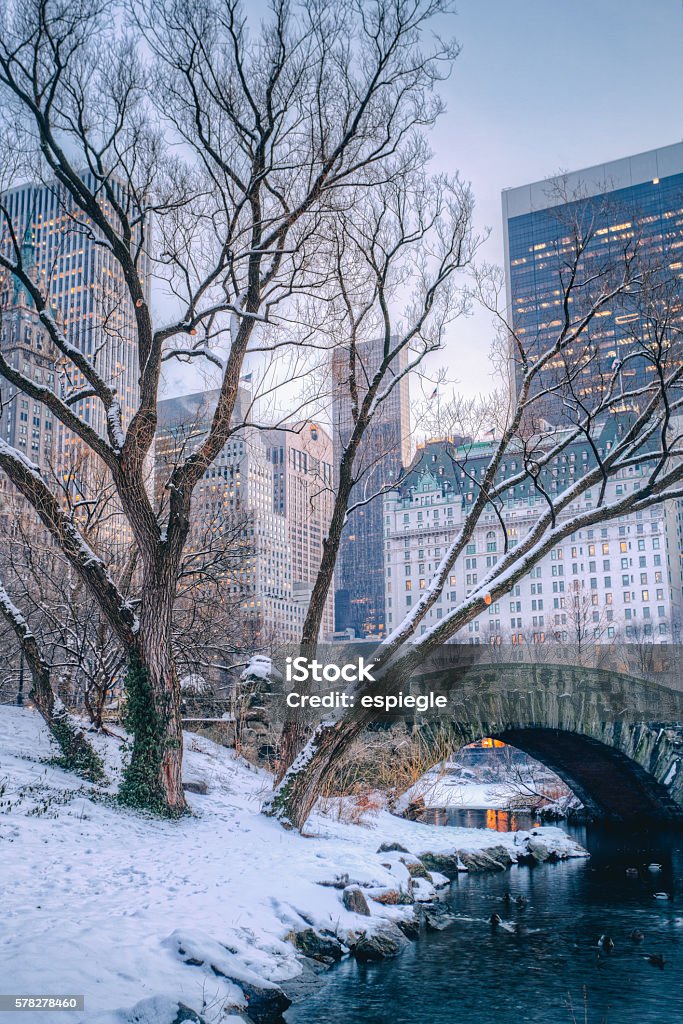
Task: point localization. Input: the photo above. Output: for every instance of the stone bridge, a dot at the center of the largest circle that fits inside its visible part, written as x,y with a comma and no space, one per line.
616,740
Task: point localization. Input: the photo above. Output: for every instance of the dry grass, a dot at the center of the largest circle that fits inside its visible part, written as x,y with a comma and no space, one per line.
388,761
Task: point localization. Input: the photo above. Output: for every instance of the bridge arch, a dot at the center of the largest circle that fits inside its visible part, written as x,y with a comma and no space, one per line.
617,741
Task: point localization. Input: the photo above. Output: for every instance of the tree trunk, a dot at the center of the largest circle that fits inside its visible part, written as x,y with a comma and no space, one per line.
295,796
77,754
296,793
153,779
94,698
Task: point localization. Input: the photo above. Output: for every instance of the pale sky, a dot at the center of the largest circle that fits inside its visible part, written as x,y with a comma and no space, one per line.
544,86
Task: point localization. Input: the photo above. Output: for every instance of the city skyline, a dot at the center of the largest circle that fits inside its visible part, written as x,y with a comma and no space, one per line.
648,189
503,126
383,452
482,369
307,618
280,586
85,285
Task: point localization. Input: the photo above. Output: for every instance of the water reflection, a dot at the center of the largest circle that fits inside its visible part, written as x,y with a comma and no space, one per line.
469,817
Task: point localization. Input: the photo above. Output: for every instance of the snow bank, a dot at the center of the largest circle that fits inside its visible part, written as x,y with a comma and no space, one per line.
136,912
453,791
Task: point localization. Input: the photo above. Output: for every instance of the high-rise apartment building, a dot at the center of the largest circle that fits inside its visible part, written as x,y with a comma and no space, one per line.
617,206
619,581
237,496
384,450
301,456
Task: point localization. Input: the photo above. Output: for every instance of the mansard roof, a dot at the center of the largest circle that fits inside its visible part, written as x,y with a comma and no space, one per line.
456,467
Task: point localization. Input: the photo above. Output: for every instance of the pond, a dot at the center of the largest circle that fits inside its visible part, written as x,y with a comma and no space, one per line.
543,964
476,817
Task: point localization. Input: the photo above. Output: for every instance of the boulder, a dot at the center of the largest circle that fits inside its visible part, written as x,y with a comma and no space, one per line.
355,901
196,786
305,984
447,864
436,920
392,848
423,891
387,942
324,949
416,868
410,926
537,852
495,858
264,1005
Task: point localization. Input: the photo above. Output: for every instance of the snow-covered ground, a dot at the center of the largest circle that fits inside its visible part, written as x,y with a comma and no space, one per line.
105,902
486,785
454,791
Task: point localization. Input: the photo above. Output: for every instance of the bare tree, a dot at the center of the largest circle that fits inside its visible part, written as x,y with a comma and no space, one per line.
274,129
77,754
84,660
585,624
640,650
396,260
644,409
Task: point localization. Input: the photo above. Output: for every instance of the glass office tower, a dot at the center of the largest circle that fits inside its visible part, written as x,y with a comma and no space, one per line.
629,209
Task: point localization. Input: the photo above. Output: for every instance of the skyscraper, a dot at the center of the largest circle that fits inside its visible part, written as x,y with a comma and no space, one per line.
301,456
617,206
235,498
85,285
384,450
24,342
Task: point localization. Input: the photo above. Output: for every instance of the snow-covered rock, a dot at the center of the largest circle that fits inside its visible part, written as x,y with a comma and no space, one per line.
260,667
354,900
568,806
